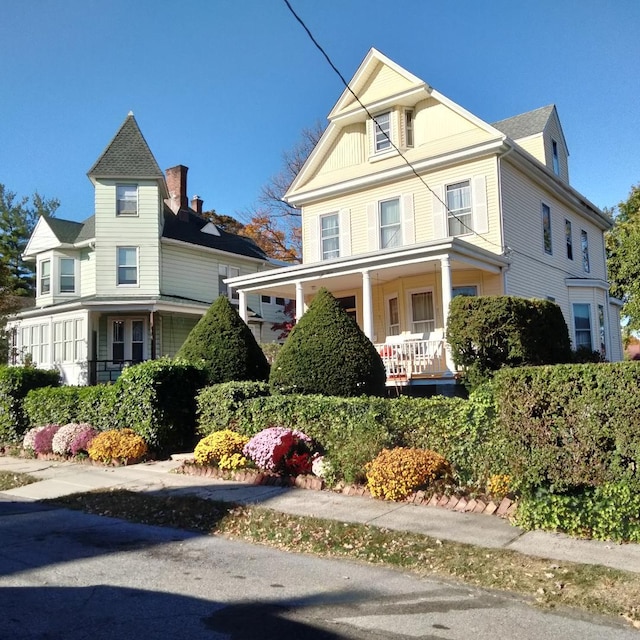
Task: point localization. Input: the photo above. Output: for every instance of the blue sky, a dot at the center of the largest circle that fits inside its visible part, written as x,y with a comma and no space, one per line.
225,86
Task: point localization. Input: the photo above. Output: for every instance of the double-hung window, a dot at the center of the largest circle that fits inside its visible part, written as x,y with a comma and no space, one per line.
393,317
67,275
382,131
569,238
408,127
390,227
546,228
582,325
224,272
127,267
422,312
459,218
127,200
584,241
45,277
330,235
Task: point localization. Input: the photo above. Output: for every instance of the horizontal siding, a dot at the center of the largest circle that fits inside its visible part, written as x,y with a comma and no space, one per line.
423,208
532,272
42,239
87,272
535,146
174,332
382,83
141,231
553,132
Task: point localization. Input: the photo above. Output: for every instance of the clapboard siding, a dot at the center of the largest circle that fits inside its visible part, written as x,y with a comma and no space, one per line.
188,273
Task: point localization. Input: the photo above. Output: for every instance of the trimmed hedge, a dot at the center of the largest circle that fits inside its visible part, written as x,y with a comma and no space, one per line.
157,400
62,405
353,431
223,344
487,333
15,383
570,426
327,353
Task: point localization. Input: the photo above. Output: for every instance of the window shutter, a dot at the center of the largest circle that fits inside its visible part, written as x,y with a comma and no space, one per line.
312,247
345,232
372,227
408,220
371,144
480,210
439,213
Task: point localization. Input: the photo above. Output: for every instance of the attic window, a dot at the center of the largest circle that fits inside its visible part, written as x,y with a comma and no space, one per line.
408,127
382,127
127,200
556,159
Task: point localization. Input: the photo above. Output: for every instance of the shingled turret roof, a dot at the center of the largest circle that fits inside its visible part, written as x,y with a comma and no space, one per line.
127,155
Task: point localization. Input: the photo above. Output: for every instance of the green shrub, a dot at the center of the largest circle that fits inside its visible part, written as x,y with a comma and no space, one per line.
219,404
327,353
225,346
570,426
487,333
15,383
157,400
608,512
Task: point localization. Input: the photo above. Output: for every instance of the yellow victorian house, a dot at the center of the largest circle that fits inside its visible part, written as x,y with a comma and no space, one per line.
408,200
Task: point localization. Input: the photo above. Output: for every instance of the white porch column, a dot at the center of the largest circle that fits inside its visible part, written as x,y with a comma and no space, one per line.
367,305
242,305
445,271
299,301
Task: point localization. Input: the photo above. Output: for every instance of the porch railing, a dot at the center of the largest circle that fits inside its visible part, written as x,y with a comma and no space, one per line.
414,359
106,371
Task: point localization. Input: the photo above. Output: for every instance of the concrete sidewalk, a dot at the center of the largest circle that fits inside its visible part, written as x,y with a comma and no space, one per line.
63,478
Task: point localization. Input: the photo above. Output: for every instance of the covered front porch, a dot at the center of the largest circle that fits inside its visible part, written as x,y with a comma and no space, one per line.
399,297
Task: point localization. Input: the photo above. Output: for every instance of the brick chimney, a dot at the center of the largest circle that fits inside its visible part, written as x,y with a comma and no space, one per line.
196,204
177,187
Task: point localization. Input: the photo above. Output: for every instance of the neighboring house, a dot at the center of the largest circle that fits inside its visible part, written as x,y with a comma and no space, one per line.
131,281
426,202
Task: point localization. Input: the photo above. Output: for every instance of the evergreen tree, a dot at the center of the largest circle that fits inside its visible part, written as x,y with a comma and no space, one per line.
225,345
327,353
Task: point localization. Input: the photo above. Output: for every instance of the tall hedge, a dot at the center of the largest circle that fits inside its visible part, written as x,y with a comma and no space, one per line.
487,333
568,427
157,400
225,346
15,383
327,353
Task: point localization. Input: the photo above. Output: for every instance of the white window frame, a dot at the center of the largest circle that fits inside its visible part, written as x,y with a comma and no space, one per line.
382,142
392,329
127,266
128,338
461,215
568,236
577,343
328,254
409,128
124,200
227,271
398,224
547,240
42,278
411,321
584,247
60,275
457,290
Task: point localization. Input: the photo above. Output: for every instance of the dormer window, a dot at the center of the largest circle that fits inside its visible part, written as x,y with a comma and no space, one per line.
127,200
382,124
556,159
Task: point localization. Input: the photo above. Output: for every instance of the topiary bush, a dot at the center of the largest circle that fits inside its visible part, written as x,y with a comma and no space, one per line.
223,344
395,473
327,353
487,333
120,445
221,446
15,383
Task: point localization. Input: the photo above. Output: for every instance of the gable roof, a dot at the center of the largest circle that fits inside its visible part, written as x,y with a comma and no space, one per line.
65,230
526,124
127,155
188,227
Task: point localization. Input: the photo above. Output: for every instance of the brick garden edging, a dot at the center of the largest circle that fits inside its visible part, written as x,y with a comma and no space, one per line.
504,509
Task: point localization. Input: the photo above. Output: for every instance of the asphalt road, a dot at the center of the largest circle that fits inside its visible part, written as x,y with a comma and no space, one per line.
73,576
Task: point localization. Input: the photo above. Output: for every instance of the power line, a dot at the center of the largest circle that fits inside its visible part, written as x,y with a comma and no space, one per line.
379,128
